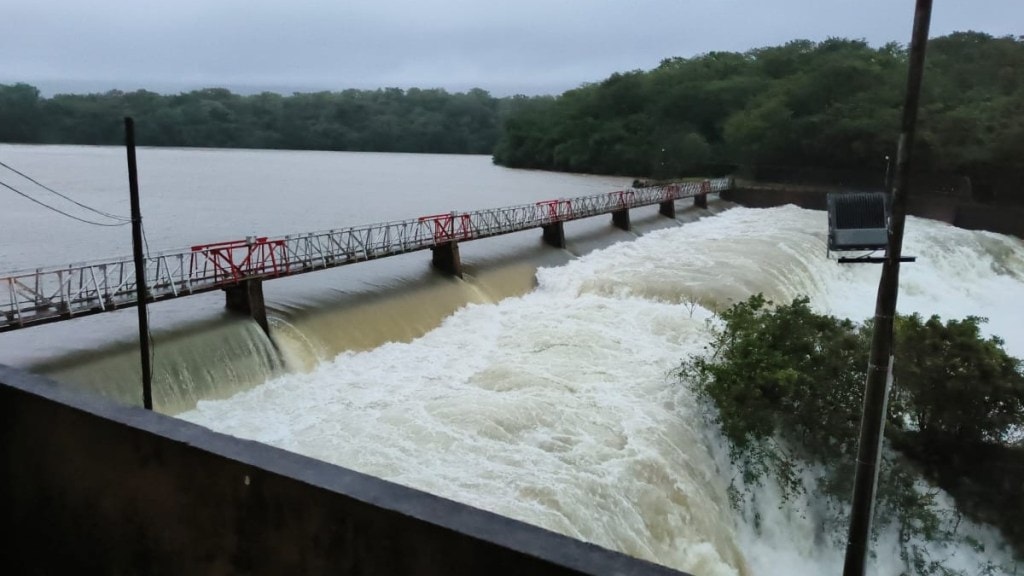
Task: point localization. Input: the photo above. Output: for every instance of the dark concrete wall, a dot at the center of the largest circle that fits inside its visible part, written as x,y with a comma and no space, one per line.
769,197
554,234
938,208
93,488
620,219
246,297
964,214
445,257
1001,219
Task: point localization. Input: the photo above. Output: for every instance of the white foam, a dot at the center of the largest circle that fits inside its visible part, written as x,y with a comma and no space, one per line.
559,408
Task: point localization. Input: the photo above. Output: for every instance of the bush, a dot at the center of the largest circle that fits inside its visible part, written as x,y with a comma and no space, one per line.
786,387
955,385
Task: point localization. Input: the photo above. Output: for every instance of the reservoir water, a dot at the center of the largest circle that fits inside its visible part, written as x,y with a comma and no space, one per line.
538,387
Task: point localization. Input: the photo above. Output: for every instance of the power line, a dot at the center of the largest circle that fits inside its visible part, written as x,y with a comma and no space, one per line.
58,210
69,199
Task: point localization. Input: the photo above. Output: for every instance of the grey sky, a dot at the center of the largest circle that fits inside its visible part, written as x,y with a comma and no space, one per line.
527,46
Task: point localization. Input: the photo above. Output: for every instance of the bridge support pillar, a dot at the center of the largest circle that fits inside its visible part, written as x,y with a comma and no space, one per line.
620,218
446,258
246,297
554,234
700,200
667,208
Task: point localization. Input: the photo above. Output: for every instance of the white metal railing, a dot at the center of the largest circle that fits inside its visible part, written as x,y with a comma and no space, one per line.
47,294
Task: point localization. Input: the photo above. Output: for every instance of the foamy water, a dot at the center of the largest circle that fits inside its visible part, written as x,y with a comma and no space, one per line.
558,408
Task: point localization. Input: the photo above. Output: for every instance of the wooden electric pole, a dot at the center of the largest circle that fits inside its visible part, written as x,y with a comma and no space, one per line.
140,266
880,365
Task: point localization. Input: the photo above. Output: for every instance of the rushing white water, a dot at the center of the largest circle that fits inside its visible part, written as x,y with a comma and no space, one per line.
559,407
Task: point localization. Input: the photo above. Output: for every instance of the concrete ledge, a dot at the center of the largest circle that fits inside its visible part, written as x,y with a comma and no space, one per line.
95,487
764,197
1001,219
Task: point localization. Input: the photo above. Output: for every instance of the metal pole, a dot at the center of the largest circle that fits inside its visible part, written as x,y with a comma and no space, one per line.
880,364
140,265
888,175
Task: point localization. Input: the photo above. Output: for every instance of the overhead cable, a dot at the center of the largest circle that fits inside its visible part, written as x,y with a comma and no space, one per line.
64,196
58,210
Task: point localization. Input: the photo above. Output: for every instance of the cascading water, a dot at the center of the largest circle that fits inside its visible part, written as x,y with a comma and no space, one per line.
559,408
207,360
308,334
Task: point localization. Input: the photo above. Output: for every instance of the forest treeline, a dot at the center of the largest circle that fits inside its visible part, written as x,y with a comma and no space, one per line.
384,120
831,105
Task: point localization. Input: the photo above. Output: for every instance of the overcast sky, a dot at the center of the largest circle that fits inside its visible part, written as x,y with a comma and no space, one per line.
506,47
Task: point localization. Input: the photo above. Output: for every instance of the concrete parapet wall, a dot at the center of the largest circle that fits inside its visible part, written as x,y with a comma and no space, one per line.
938,208
1001,219
1005,220
94,488
769,197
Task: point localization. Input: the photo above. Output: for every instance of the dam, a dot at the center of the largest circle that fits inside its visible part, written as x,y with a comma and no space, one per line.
539,385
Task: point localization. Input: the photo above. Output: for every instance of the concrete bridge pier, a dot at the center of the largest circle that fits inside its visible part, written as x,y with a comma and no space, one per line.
620,218
554,234
446,258
246,297
700,201
667,208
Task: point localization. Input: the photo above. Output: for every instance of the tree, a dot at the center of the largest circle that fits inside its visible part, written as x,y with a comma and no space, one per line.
19,113
832,106
785,385
391,119
954,384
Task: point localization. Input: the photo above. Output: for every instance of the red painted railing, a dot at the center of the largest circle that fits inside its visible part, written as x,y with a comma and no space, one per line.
237,259
557,210
49,294
448,227
625,198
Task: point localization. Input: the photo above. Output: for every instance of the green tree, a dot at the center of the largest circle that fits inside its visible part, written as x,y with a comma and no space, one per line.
761,134
954,384
19,113
782,378
391,119
833,106
785,385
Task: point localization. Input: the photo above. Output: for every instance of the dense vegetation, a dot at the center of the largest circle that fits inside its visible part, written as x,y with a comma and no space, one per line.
832,105
786,388
388,120
777,113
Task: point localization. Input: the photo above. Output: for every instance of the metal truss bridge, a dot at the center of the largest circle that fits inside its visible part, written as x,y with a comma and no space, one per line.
43,295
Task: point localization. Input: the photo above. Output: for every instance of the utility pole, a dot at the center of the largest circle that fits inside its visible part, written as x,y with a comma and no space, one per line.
880,365
888,174
140,265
